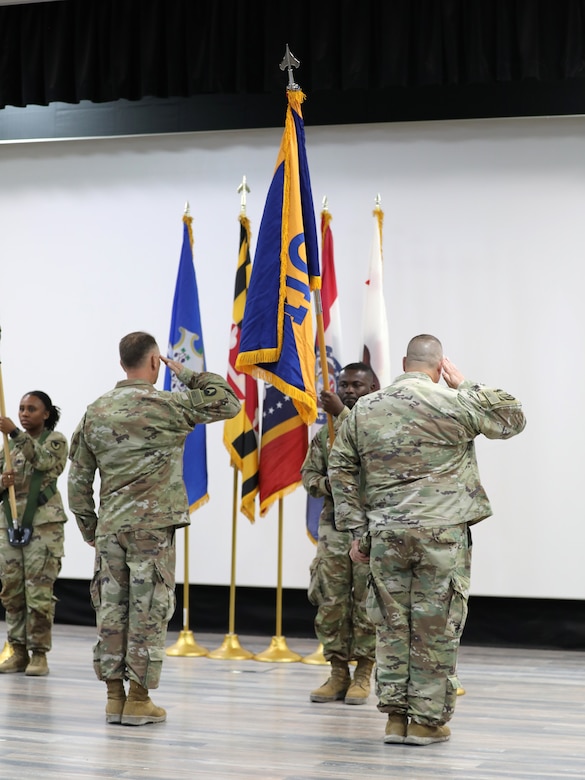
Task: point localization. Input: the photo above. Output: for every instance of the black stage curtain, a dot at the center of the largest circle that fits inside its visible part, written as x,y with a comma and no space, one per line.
107,50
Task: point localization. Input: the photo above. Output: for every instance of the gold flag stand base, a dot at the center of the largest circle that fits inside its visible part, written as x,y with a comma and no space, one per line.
231,649
278,652
460,691
316,658
186,646
6,653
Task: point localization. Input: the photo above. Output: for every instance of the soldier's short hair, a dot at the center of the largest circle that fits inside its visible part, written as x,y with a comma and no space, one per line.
424,349
359,366
135,347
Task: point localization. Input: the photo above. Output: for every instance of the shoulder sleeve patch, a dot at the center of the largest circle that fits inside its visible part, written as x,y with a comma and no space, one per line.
495,399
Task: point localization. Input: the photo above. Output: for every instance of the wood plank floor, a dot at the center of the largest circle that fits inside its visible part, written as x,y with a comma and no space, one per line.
522,717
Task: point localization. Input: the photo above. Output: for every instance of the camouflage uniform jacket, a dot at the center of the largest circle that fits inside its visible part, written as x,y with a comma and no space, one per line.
134,435
27,453
314,469
413,442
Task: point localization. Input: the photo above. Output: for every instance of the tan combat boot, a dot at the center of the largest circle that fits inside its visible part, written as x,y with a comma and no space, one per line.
418,734
38,666
139,709
396,728
116,701
359,690
17,662
336,686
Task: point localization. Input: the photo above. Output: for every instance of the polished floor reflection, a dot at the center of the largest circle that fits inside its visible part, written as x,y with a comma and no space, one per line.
522,718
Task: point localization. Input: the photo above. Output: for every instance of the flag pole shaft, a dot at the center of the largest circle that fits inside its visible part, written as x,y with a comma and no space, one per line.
186,582
7,458
323,355
232,613
186,645
279,570
278,651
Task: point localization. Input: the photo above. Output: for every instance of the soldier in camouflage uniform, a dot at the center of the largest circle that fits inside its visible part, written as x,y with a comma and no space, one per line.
134,436
413,442
28,573
338,585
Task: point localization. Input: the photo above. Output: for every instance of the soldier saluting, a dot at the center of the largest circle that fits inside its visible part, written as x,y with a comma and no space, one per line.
412,442
134,437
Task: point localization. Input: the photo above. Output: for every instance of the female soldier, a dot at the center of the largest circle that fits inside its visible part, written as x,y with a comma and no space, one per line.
28,569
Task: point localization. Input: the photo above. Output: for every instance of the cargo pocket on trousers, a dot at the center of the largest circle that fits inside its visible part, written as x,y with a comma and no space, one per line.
315,591
95,586
153,669
375,607
163,597
458,606
450,698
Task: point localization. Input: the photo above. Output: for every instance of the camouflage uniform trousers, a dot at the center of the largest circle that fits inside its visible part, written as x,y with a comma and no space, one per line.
133,594
28,575
338,589
417,597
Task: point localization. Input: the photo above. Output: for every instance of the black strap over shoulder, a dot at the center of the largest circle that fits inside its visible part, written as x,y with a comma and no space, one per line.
20,535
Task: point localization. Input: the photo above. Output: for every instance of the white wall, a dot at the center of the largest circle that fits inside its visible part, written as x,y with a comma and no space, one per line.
483,247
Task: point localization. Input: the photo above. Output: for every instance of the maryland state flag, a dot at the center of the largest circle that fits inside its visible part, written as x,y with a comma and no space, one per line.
277,339
186,346
240,434
376,350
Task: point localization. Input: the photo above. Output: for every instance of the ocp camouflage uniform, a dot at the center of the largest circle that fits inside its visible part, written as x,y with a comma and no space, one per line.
28,573
413,443
338,585
134,435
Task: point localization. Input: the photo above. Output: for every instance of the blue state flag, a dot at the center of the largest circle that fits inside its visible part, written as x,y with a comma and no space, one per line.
277,339
186,346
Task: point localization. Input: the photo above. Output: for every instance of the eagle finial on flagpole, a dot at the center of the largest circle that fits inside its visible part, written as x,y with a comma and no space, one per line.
289,62
243,189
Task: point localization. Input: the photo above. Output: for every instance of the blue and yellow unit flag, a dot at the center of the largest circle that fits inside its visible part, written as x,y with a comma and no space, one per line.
186,346
277,340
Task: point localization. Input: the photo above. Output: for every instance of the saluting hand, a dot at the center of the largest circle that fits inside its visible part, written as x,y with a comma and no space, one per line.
173,365
451,374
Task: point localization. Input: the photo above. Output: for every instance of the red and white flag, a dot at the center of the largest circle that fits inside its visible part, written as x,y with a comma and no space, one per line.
332,328
376,341
331,316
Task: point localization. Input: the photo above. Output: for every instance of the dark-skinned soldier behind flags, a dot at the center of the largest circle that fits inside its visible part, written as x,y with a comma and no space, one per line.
338,585
134,437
